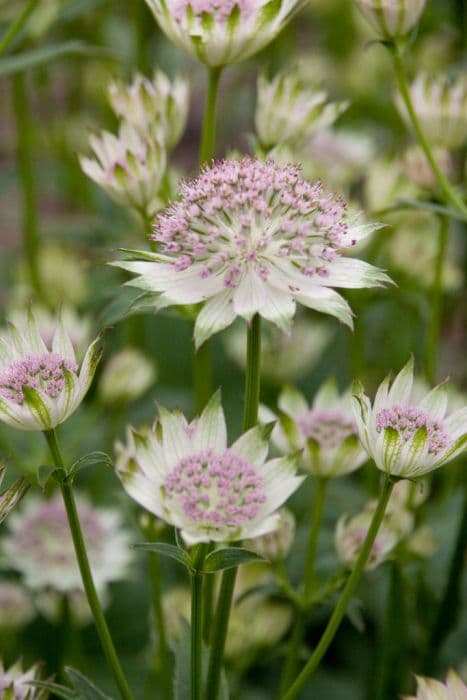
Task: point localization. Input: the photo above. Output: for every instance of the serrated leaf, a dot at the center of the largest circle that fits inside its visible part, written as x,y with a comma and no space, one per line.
229,558
60,691
167,550
20,62
44,472
85,689
88,460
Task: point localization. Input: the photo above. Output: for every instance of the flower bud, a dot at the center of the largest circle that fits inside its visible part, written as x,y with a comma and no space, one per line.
276,544
126,377
289,110
392,18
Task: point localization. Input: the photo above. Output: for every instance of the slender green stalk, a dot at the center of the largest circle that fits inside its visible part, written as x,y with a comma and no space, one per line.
85,569
26,176
163,655
16,26
208,593
448,192
436,303
250,418
349,589
140,26
448,610
196,664
208,135
202,375
293,652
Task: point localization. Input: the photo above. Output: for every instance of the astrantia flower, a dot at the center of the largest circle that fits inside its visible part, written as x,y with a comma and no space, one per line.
251,237
222,31
441,107
40,547
289,110
408,438
185,474
325,431
14,683
392,18
129,167
16,607
157,107
350,535
40,385
275,545
431,689
418,169
127,376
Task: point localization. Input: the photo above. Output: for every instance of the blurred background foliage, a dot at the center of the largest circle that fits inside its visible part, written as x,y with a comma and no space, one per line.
86,44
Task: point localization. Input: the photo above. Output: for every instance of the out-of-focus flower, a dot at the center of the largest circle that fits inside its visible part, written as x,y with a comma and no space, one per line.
16,607
219,33
385,183
276,544
157,107
41,387
406,438
289,110
129,167
185,474
431,689
418,169
423,542
49,604
441,107
10,498
126,377
326,431
14,682
40,547
284,357
392,18
251,237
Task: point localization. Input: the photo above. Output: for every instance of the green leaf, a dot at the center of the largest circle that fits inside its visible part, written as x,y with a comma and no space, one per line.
20,62
229,558
44,472
88,460
430,206
60,691
84,688
10,498
167,550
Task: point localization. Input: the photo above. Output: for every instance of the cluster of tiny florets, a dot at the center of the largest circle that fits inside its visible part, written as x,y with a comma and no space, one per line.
216,489
221,10
247,212
44,373
328,428
407,420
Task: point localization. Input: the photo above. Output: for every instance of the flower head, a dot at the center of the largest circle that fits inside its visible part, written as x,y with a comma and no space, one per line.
275,545
40,385
251,237
350,535
431,689
392,18
441,107
129,167
325,431
40,547
158,106
407,438
185,474
289,110
222,32
418,169
14,682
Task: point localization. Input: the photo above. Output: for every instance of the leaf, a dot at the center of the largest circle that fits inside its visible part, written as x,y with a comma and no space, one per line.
430,206
38,57
88,460
229,558
167,550
86,690
44,472
265,589
60,691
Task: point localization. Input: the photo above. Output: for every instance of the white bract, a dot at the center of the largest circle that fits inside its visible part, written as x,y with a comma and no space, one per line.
14,682
431,689
224,31
41,385
289,110
325,431
392,18
185,474
408,438
157,107
251,237
39,545
129,167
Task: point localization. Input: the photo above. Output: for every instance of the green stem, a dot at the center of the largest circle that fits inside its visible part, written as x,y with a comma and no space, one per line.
449,193
295,644
16,26
349,589
26,176
208,135
196,665
85,569
141,34
448,609
164,657
202,376
224,605
436,302
209,586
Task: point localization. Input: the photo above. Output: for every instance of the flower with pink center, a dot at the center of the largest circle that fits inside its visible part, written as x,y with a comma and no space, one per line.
325,432
40,385
185,474
392,18
14,682
251,237
431,689
350,535
407,437
40,547
219,32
